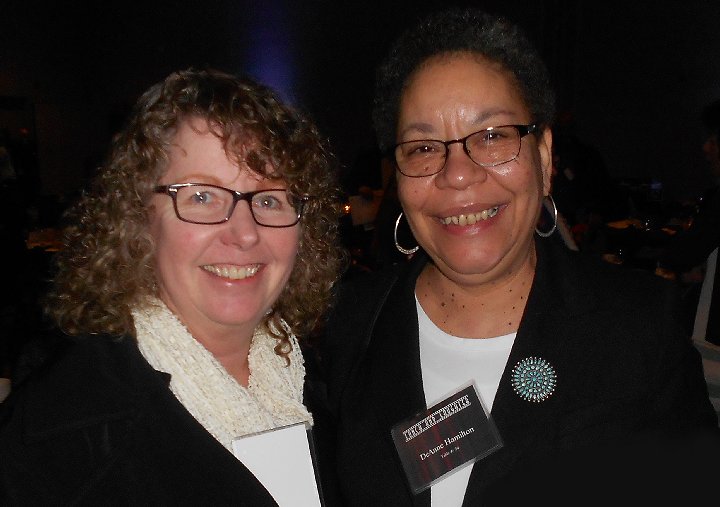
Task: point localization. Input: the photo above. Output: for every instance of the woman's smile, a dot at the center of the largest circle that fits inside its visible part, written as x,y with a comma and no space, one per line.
470,218
231,271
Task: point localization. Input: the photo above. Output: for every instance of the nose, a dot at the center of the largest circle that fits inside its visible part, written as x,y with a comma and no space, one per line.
460,171
241,228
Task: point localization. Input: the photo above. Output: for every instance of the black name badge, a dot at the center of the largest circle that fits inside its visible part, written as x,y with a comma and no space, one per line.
447,436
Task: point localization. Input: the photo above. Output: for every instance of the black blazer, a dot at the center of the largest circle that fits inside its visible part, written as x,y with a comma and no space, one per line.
97,425
624,368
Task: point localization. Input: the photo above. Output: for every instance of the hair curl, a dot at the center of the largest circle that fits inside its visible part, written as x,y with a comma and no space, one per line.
460,30
107,264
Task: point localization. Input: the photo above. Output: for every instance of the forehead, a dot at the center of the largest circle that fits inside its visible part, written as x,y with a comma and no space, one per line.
198,148
195,132
194,144
461,82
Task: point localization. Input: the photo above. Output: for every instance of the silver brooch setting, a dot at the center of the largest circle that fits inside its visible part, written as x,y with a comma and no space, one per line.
533,379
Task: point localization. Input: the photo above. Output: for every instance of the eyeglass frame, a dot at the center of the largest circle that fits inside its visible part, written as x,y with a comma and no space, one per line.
172,191
522,130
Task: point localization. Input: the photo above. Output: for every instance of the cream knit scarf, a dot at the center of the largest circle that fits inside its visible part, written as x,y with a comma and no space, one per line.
225,408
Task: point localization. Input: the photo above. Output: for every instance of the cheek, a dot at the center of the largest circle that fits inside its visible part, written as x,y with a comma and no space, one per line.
525,176
291,247
286,259
412,193
285,246
173,239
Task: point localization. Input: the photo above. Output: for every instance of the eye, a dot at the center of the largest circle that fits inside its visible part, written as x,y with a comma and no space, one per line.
268,201
489,136
202,198
420,148
494,135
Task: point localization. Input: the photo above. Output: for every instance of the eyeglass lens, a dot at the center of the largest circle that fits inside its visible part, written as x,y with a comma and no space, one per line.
204,204
489,147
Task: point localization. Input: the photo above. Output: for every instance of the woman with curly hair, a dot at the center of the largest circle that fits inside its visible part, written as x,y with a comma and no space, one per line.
204,249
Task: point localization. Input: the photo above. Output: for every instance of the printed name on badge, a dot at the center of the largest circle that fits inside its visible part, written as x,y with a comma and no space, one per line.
447,436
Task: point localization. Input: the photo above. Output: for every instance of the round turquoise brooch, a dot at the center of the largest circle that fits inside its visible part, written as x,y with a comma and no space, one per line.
533,379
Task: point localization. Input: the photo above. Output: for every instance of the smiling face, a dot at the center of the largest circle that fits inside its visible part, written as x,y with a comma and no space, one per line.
476,223
220,280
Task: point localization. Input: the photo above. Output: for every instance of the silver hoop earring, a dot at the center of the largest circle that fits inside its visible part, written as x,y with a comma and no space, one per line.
555,219
397,245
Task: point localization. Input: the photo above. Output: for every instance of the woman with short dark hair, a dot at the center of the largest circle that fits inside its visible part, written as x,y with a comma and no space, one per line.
497,366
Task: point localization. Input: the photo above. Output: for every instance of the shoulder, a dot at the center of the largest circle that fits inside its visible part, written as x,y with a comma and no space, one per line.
358,288
634,291
618,334
58,356
360,299
369,290
352,318
604,307
73,396
64,380
623,280
589,279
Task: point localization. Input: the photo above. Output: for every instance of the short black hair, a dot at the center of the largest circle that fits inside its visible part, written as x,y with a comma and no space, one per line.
460,30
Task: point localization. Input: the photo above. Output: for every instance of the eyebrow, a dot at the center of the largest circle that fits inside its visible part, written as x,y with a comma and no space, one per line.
424,128
428,129
197,178
490,113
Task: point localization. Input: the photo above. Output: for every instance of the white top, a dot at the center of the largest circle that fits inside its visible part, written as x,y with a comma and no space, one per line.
449,363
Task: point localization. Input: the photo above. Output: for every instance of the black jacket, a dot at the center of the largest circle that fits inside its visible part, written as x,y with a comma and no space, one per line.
627,375
95,424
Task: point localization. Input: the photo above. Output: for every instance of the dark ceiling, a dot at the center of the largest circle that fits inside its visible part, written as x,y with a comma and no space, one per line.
633,74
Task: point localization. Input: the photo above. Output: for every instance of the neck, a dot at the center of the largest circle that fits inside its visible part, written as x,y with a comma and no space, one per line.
484,310
237,365
231,352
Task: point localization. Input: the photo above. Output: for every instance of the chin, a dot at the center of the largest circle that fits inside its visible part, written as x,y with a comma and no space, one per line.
237,315
469,267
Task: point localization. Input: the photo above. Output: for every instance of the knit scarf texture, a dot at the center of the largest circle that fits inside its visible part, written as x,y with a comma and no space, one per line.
225,408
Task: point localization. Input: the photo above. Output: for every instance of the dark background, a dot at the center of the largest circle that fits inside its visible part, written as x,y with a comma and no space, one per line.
634,75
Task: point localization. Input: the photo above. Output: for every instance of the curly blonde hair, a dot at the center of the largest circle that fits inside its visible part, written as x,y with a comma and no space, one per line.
107,264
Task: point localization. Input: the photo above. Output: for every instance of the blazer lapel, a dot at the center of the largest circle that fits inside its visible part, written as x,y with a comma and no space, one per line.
553,301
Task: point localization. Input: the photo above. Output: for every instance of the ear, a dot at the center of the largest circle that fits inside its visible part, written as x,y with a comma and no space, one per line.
544,145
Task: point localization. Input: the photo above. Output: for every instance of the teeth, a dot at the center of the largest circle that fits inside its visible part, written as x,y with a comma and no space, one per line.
232,272
470,218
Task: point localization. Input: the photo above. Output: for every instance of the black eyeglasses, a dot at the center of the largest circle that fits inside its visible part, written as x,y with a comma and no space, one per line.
201,203
488,148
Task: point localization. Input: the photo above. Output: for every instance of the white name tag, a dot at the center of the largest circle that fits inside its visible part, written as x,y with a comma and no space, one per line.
282,461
